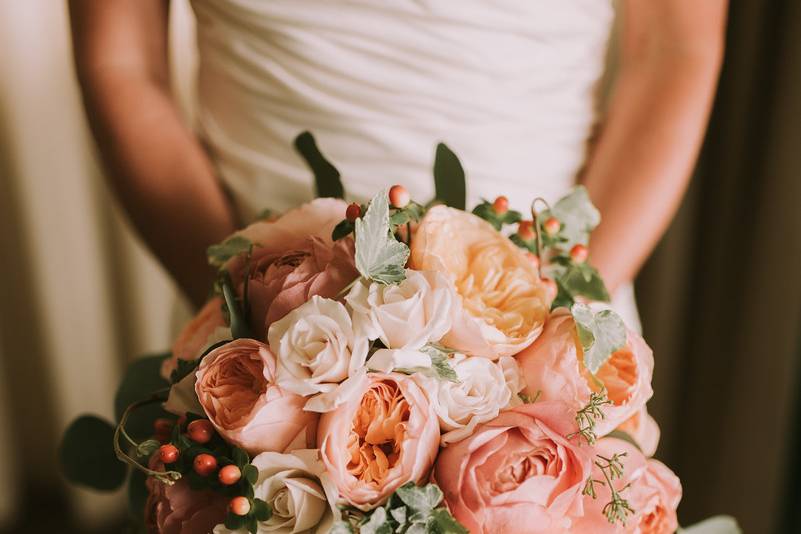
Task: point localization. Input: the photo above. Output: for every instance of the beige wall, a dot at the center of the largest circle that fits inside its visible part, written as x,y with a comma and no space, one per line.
80,296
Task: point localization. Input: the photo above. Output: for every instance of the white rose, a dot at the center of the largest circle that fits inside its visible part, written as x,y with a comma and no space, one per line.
298,490
407,315
484,389
315,347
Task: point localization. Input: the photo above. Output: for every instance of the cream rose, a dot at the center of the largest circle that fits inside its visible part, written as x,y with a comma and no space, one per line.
482,392
385,435
316,347
236,387
297,489
403,316
553,368
503,304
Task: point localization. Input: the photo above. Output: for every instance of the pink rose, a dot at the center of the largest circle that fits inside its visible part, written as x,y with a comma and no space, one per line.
517,473
503,304
236,388
384,435
553,368
643,430
652,491
193,339
293,259
177,509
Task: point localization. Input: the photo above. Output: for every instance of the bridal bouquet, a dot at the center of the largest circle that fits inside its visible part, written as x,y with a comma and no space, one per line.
394,367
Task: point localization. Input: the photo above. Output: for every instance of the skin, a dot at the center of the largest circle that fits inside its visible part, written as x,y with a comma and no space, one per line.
637,172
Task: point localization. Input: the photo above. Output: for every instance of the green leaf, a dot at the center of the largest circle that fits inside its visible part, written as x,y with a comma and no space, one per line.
141,378
341,527
222,252
449,178
261,510
583,280
235,522
399,514
326,176
379,256
444,523
147,447
342,229
253,525
439,364
377,523
239,325
87,454
240,457
251,474
600,334
420,499
578,216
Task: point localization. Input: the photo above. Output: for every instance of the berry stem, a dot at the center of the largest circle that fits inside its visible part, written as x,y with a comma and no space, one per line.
537,229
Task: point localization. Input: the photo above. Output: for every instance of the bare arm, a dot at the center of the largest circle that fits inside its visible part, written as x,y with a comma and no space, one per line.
160,173
671,52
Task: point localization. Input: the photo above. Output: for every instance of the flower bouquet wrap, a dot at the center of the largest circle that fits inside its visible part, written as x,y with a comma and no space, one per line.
393,366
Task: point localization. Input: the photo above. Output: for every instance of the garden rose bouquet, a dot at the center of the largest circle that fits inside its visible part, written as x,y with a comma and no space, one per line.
403,367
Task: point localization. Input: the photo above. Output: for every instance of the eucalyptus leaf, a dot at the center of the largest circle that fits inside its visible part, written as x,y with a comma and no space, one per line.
449,178
379,256
600,334
222,252
142,377
326,176
87,455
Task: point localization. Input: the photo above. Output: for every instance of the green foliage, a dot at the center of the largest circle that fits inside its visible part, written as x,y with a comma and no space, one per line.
222,252
326,176
578,217
87,457
410,510
488,213
601,334
379,256
587,417
449,178
141,378
342,229
412,212
236,313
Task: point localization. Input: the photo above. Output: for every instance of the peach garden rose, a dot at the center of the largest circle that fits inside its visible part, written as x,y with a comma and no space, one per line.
196,336
237,390
384,435
503,304
553,369
294,258
517,473
643,430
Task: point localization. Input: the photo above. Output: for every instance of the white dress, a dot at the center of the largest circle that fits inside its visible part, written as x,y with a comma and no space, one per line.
508,85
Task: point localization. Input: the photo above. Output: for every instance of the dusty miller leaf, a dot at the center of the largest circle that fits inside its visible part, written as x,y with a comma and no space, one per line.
379,256
600,334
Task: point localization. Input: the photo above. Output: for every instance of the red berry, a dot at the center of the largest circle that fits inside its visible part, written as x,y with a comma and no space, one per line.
353,212
162,427
200,431
552,226
205,464
534,259
230,474
579,253
550,288
168,454
501,205
525,229
399,196
239,506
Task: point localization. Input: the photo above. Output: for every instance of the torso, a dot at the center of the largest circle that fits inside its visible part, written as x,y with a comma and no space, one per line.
508,85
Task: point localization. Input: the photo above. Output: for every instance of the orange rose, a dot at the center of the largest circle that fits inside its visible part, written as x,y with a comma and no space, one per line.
195,336
236,388
503,304
553,369
384,435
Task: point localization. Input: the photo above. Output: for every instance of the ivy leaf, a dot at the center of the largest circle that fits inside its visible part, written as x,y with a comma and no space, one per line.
449,179
326,176
399,514
341,527
600,334
583,280
222,252
578,216
377,523
442,522
439,363
379,256
420,499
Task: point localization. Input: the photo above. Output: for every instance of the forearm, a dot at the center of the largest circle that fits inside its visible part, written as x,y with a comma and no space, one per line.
160,173
640,168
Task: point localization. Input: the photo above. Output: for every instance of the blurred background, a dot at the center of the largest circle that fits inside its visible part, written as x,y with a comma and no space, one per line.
720,298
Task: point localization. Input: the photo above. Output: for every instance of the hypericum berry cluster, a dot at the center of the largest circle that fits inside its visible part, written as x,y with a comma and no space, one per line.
403,212
193,448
